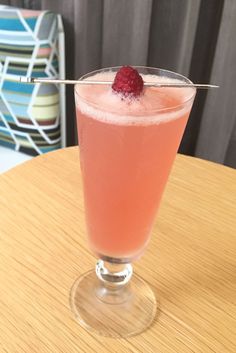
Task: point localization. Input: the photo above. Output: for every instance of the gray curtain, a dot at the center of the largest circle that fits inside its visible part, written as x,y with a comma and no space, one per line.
193,37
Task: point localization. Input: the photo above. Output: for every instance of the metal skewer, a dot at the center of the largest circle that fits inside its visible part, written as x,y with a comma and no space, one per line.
89,82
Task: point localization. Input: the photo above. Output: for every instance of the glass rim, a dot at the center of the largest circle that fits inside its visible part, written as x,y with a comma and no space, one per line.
150,111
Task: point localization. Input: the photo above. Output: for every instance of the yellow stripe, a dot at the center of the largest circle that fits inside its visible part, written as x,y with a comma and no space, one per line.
55,134
15,92
46,100
15,46
7,139
45,113
24,143
3,55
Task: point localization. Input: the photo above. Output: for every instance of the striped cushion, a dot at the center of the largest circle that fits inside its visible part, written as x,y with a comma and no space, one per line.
29,113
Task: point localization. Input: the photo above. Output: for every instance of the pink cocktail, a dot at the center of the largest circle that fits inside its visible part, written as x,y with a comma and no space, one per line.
127,149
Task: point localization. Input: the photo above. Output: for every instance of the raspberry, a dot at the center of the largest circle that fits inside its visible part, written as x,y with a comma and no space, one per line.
128,82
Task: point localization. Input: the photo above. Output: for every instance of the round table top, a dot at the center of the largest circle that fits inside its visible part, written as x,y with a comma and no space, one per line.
190,261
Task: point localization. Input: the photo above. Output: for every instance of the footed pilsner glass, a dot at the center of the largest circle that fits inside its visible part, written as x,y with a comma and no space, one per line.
127,149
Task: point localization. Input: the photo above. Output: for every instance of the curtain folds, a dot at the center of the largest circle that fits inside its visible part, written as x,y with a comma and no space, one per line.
193,37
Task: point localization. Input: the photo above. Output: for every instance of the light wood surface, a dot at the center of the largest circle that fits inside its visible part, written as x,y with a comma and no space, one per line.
190,262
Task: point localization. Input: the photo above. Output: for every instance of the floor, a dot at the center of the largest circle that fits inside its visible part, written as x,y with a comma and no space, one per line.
10,158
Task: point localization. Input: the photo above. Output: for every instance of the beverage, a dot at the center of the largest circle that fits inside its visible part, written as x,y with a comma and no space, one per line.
129,134
127,148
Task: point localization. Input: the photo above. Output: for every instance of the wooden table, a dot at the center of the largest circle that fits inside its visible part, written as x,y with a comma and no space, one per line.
190,262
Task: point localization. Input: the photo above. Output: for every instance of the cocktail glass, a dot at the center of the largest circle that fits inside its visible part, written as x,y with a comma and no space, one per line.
126,157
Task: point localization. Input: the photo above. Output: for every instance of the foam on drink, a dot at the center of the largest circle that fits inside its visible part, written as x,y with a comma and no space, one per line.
111,108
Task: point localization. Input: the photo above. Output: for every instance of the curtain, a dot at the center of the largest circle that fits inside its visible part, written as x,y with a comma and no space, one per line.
193,37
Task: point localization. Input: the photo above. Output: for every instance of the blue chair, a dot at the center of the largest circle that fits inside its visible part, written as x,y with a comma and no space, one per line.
32,116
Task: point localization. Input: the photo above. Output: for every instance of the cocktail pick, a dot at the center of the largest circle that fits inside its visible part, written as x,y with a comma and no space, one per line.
91,82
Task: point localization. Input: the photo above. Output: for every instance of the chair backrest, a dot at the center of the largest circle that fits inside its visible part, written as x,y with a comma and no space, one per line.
32,116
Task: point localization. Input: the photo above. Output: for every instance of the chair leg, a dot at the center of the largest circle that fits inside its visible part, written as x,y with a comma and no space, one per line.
62,91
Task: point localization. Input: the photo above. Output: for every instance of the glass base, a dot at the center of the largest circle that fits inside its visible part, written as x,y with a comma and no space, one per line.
114,312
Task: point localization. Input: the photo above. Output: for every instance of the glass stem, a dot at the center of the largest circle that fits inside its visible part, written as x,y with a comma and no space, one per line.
114,281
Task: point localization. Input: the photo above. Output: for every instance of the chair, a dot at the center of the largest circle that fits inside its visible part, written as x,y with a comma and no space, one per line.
32,116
